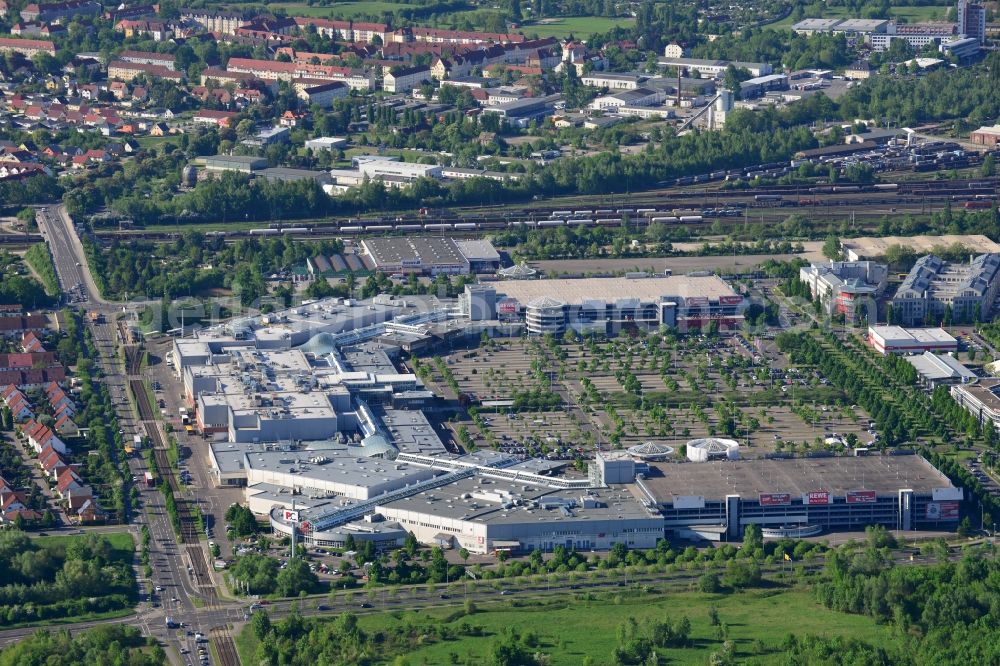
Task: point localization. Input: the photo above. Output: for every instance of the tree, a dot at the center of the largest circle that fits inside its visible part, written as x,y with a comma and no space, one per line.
261,624
410,544
294,578
242,520
988,167
734,77
900,257
831,248
741,573
753,539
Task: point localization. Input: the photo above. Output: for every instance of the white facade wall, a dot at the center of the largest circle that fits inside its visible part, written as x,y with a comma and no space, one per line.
353,487
532,533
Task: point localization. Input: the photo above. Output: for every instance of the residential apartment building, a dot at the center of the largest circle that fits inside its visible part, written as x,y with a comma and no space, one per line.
215,21
58,11
27,47
405,79
289,71
440,36
164,60
127,71
348,31
321,94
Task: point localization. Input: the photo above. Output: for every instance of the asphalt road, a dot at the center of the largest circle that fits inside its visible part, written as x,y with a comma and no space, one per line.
170,561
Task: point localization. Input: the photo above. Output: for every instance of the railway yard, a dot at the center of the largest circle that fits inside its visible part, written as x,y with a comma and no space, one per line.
681,206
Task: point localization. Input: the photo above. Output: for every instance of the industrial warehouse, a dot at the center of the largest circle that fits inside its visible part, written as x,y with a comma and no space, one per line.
311,410
430,255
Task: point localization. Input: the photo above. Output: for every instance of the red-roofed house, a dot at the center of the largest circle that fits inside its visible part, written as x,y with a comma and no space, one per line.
31,343
40,435
51,462
67,480
16,402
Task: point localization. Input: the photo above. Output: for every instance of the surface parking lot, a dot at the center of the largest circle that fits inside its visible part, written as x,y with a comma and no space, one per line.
625,391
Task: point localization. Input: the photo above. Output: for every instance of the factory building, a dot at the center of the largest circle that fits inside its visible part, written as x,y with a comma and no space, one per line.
800,496
607,305
935,286
715,68
844,286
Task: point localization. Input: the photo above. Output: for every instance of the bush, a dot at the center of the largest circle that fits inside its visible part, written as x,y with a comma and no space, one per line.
709,583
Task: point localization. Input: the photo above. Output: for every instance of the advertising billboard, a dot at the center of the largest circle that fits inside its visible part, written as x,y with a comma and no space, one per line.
775,499
290,516
689,501
942,511
730,300
696,301
816,497
861,497
507,306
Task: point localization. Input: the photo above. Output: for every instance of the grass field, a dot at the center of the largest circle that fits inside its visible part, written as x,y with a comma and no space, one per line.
156,141
121,542
578,26
910,14
570,630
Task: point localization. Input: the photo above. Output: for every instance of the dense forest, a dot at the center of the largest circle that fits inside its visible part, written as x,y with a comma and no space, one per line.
950,611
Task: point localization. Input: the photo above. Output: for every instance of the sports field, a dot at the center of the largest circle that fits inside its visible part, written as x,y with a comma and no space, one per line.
340,10
580,27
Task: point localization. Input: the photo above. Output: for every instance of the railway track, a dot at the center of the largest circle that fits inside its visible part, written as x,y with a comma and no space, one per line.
189,535
225,647
710,203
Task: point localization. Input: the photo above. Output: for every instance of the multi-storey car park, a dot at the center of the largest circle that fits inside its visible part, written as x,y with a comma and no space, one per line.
310,411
